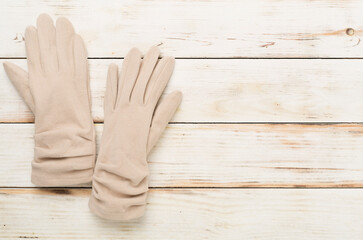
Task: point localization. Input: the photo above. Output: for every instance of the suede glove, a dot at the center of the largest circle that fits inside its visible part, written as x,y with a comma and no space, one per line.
56,89
133,124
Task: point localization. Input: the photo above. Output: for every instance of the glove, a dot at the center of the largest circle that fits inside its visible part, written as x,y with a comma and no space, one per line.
133,124
56,89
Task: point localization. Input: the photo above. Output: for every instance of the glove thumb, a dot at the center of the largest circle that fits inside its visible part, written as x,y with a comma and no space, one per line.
164,112
19,78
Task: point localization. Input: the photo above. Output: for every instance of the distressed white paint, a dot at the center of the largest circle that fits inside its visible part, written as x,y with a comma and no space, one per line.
263,214
199,155
215,90
238,90
199,28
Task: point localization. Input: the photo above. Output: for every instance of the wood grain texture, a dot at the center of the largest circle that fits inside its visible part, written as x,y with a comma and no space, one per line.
263,214
198,171
203,155
216,28
237,90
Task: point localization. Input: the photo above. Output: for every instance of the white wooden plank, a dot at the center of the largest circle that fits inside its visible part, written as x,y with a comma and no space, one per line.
235,155
263,214
238,90
216,28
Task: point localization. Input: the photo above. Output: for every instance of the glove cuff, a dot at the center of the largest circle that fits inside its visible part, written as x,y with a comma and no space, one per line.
63,160
62,172
109,211
119,192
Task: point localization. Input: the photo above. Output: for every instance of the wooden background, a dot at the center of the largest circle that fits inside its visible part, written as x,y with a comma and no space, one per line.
268,141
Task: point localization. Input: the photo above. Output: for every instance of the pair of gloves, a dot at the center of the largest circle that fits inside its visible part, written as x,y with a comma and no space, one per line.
56,89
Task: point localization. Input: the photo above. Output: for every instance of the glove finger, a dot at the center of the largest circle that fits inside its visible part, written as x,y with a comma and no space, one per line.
81,66
47,43
111,89
147,67
32,50
19,78
159,79
80,60
164,112
65,36
129,73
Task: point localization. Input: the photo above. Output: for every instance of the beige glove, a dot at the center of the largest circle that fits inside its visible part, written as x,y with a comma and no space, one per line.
132,127
56,89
